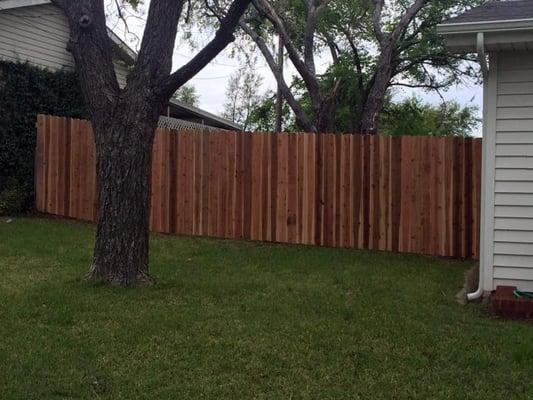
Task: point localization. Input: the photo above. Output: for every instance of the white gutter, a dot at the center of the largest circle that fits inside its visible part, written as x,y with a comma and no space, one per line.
479,292
485,26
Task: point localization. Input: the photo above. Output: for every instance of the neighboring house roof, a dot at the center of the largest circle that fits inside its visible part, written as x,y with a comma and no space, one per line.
494,26
496,11
180,110
128,56
491,17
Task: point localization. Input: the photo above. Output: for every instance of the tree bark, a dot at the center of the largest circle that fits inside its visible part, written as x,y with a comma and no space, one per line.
327,111
376,95
301,117
278,126
124,144
385,69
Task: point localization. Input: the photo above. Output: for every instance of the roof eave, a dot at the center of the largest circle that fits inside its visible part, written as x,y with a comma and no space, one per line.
485,26
127,53
206,115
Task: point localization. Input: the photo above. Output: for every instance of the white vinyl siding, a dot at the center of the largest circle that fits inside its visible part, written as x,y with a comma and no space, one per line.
39,35
122,71
513,189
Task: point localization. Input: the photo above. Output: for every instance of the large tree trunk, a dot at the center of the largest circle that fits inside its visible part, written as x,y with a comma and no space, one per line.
376,95
326,110
124,144
325,120
384,71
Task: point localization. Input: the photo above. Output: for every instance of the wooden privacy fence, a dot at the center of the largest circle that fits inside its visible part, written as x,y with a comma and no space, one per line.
406,194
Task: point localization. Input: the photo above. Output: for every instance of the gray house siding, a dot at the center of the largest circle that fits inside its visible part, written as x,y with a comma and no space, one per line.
513,187
39,35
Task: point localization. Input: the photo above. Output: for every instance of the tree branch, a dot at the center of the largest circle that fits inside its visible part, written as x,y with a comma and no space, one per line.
376,20
333,48
301,117
223,37
419,86
157,46
407,18
307,75
92,50
356,58
309,36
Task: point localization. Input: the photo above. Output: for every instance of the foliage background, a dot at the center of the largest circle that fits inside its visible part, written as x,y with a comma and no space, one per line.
26,91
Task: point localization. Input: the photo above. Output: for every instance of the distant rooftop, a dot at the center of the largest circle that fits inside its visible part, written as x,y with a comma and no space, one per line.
493,11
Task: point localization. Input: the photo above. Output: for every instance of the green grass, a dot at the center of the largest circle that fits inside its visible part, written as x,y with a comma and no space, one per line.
234,320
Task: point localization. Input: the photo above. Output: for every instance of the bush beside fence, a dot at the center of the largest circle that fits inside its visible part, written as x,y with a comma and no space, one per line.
407,194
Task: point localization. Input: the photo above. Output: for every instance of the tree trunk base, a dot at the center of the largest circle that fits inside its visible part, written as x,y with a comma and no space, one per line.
141,279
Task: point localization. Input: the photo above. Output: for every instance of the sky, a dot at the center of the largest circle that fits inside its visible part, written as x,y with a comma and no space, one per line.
212,81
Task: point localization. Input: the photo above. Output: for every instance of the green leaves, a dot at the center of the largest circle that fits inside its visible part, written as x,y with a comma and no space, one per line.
414,117
26,91
187,94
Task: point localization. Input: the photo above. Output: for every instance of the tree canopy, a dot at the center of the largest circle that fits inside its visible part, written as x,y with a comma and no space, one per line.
242,96
348,54
187,94
414,117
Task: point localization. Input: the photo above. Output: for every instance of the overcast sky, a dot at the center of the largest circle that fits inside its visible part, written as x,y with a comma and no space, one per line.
211,82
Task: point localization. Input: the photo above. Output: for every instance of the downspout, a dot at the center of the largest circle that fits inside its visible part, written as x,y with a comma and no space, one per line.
485,70
482,57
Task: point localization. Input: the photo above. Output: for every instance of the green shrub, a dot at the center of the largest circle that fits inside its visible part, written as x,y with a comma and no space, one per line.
14,199
26,91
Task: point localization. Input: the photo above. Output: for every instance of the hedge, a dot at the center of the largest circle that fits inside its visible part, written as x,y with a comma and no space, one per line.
26,91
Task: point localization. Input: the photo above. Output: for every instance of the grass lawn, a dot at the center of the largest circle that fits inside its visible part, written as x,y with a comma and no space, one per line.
232,320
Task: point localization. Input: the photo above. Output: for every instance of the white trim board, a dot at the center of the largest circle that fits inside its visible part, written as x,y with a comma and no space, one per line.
485,26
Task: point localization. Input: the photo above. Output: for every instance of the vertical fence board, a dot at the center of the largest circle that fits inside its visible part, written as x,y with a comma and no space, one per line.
281,188
292,188
396,192
39,165
256,186
239,185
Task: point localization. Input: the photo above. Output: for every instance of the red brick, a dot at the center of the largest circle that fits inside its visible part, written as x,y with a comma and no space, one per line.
506,305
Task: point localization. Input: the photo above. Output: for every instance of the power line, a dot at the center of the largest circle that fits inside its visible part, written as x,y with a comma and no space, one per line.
213,78
218,63
213,62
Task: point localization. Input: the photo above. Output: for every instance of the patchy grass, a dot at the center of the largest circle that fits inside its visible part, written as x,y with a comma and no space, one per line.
233,320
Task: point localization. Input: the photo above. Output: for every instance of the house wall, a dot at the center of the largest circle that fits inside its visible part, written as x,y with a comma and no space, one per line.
508,236
39,35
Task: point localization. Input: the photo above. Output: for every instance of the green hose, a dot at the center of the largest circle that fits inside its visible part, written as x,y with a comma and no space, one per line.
523,295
